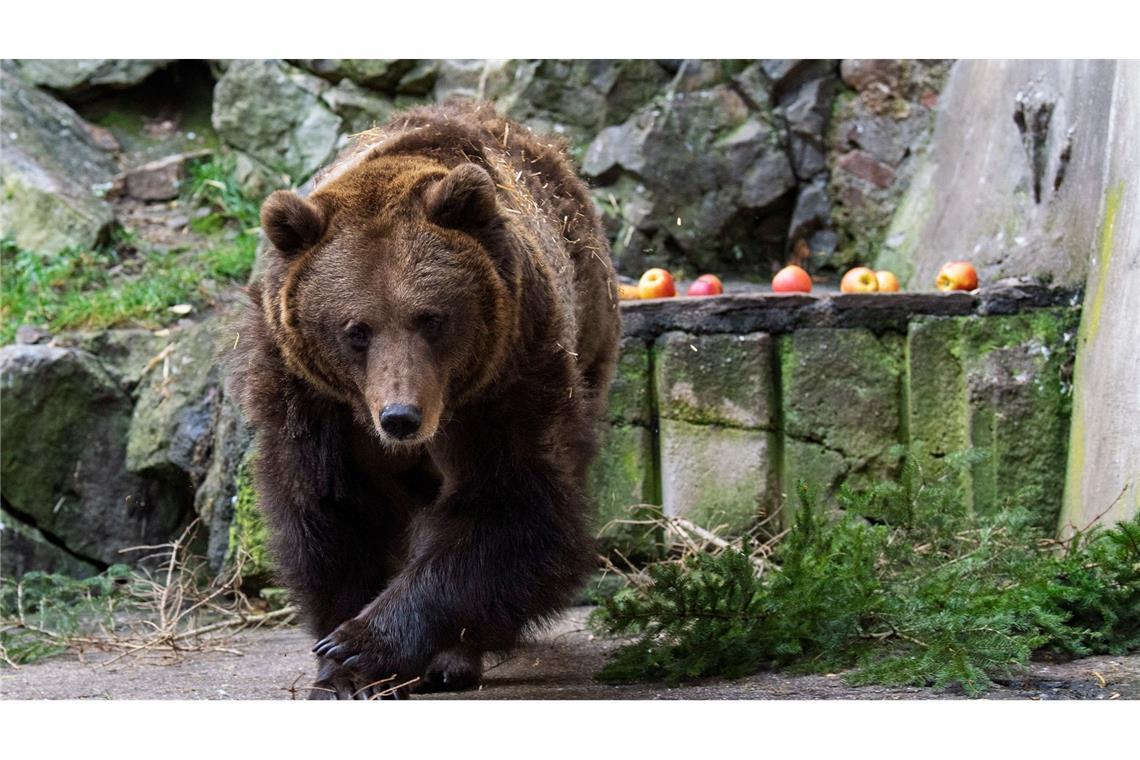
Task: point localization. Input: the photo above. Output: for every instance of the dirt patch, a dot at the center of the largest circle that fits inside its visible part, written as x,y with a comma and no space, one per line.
559,664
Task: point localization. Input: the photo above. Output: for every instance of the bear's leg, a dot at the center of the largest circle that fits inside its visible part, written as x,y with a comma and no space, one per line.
486,561
452,670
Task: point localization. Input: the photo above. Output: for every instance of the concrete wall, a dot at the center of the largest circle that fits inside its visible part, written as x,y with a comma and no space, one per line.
721,407
1032,172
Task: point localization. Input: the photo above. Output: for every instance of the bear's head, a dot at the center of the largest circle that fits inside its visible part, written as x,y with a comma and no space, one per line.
389,288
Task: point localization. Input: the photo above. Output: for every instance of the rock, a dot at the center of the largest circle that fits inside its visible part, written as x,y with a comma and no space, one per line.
50,169
171,433
863,74
767,180
863,165
78,76
361,109
420,79
937,413
27,549
159,180
217,496
753,84
383,74
812,212
484,79
104,138
577,98
125,354
892,126
274,113
693,154
715,379
786,75
65,422
255,178
806,114
1017,372
886,137
30,335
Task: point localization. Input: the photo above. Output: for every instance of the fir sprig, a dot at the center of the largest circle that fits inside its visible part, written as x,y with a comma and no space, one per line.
903,586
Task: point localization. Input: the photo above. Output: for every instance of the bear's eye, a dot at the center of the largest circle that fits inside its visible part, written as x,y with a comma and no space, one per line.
430,325
358,335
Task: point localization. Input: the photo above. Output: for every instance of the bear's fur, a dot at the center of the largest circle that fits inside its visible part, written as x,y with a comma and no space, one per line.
425,359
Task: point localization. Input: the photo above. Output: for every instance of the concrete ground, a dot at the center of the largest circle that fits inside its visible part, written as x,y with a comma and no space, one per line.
559,664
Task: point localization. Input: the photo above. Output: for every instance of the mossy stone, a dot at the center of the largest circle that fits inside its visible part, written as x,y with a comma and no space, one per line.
629,400
841,389
1017,371
715,379
937,417
717,477
622,479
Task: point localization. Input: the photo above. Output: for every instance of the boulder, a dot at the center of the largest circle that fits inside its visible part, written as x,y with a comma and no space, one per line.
171,429
576,98
159,180
714,175
481,78
63,466
50,170
274,112
78,76
27,549
383,74
360,108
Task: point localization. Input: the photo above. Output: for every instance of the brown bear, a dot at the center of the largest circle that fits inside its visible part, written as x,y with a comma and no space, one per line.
425,359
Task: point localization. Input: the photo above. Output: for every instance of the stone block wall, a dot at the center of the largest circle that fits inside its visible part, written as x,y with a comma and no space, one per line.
721,407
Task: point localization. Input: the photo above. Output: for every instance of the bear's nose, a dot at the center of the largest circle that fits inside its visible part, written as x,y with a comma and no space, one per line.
400,420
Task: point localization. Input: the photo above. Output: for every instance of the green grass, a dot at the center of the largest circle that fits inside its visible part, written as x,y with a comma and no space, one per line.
905,587
119,284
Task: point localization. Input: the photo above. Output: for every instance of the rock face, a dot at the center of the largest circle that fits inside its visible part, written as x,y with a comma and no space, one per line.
274,113
723,170
50,170
65,423
880,129
79,76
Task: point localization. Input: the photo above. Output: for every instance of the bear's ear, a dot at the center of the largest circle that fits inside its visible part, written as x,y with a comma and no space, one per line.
293,224
464,199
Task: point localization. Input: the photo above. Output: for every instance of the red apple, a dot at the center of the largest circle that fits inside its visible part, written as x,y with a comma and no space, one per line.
706,285
888,283
656,283
957,275
791,279
859,280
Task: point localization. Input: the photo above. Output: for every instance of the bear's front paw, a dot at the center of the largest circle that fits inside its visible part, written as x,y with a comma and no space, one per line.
359,649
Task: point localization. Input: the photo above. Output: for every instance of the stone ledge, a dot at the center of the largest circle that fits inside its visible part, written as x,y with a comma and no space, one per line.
778,314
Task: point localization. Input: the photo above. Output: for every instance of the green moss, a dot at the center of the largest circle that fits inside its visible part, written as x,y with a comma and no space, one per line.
249,535
715,379
841,389
1089,328
1018,371
629,400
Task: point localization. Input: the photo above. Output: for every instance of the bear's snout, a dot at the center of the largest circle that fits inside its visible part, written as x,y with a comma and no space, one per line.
401,421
